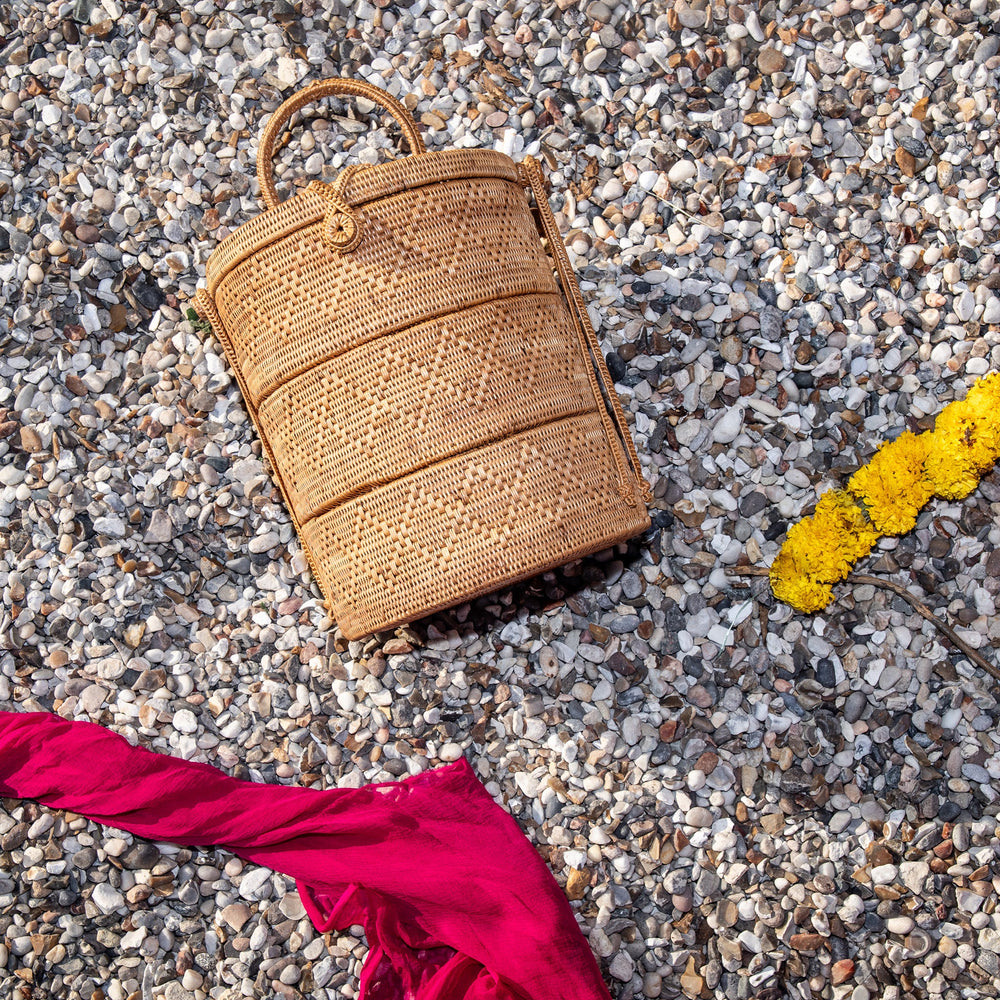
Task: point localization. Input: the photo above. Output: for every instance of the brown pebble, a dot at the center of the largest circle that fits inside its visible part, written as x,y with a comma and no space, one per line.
841,971
806,942
770,61
691,983
103,199
879,855
887,892
101,30
731,349
726,913
905,161
14,837
668,730
576,884
87,234
236,915
938,547
396,647
773,823
599,634
30,441
700,696
42,943
76,385
944,849
118,317
686,512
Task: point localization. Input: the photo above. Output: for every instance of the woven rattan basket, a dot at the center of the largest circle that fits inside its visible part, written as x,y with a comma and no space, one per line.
415,354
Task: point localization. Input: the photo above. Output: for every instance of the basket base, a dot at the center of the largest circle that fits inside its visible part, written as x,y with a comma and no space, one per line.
497,585
470,525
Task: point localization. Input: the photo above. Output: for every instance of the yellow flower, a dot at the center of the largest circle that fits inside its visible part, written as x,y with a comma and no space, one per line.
856,536
815,548
885,496
952,478
981,410
966,441
955,459
984,397
893,485
821,550
974,425
791,583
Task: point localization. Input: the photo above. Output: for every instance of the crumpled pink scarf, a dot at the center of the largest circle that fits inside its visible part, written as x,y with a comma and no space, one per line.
455,902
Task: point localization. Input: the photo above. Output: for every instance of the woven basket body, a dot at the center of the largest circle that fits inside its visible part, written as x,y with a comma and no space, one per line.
422,380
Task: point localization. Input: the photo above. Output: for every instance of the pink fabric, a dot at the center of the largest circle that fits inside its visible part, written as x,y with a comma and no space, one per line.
455,902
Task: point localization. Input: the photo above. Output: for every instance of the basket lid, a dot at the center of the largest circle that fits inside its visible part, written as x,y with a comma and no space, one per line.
357,186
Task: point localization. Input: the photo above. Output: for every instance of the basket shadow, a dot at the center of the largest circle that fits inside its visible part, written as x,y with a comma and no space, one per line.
578,583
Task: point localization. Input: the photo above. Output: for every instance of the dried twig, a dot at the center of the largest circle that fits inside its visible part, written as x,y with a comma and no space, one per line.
900,591
925,612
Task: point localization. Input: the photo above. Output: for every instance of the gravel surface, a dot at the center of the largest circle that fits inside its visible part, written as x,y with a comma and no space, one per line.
785,218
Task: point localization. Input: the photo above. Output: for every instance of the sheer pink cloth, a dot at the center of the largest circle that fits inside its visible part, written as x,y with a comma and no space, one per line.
455,902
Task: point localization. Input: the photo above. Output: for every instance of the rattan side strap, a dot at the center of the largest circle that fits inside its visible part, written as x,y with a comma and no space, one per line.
588,342
314,92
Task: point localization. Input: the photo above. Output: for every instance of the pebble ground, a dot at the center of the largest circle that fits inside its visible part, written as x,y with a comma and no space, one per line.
785,219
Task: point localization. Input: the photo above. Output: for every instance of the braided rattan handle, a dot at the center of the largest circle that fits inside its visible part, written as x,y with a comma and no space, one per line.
314,92
532,172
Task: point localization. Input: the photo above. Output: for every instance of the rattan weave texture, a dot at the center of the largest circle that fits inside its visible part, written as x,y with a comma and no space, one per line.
409,399
423,255
358,186
389,550
417,359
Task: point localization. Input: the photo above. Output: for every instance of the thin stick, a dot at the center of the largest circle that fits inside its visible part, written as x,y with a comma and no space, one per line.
917,605
925,612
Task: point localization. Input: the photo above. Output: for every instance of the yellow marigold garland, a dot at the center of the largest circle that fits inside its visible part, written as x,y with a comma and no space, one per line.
893,485
885,496
855,535
952,462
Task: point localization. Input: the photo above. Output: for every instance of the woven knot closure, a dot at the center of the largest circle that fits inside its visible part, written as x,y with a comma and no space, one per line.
626,493
341,230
